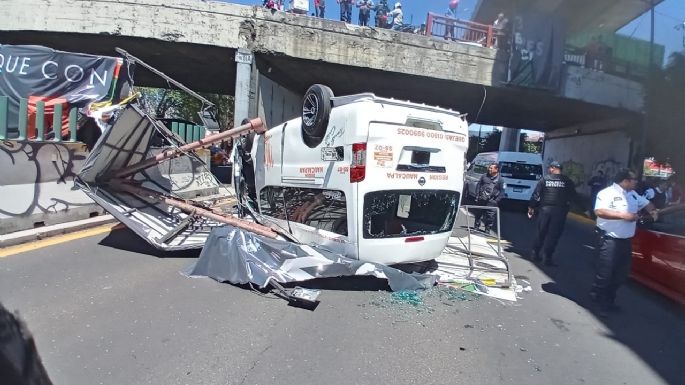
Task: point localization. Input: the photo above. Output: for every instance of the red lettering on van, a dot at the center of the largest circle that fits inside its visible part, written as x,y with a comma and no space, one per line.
311,170
401,175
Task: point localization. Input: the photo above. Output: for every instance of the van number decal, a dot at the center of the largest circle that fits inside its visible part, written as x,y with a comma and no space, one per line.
382,154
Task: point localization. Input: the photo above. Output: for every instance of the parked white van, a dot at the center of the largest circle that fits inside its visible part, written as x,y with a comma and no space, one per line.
374,179
520,172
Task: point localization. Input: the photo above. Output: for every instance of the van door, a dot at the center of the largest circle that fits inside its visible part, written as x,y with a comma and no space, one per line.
409,199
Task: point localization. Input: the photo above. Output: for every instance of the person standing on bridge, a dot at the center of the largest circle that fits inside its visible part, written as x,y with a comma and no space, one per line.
397,17
365,7
382,10
346,10
551,200
489,192
617,210
320,8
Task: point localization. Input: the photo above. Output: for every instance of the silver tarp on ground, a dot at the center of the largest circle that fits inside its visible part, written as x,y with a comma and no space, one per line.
240,257
133,138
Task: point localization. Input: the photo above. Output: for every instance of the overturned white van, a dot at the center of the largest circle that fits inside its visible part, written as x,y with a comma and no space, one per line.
372,178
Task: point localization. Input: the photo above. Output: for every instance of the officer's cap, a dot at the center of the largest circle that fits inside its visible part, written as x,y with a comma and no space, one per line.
555,164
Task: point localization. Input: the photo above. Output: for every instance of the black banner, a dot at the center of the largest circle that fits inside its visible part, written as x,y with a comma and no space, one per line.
537,51
42,74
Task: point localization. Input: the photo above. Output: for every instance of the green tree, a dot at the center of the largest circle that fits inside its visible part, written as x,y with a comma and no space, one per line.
166,103
487,143
527,146
665,127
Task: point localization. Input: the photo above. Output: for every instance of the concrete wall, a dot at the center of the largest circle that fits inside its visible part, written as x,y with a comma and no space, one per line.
601,88
37,185
583,155
275,103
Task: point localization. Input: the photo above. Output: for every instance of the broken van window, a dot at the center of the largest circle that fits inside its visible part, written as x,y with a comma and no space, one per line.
321,209
403,213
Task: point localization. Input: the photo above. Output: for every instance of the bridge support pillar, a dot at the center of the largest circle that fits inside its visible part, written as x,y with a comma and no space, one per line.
243,80
510,139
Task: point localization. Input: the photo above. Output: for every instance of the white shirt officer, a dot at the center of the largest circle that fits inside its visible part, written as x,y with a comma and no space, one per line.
615,198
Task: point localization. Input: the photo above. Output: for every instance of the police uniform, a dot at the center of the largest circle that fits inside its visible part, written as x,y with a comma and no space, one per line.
615,249
551,200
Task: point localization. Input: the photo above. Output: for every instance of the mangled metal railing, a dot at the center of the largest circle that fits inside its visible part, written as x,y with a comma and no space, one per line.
130,186
192,210
472,255
255,125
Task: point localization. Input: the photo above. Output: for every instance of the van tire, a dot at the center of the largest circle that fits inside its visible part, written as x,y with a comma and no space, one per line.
316,110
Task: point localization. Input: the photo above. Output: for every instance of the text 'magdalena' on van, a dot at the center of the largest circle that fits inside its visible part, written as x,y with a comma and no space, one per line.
371,178
520,173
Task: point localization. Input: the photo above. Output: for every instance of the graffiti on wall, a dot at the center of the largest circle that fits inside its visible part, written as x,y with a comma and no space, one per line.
575,171
609,167
28,167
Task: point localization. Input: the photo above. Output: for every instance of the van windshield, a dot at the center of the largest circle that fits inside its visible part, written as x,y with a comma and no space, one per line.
404,213
521,171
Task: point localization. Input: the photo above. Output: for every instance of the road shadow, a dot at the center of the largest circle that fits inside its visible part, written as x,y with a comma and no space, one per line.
125,239
652,326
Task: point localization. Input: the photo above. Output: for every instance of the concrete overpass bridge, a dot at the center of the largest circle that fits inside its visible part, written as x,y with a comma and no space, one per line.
196,42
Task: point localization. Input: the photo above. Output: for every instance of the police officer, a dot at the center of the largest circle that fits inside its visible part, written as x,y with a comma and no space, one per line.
616,209
489,191
550,201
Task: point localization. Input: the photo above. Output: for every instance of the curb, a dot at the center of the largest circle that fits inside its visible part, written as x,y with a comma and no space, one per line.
25,236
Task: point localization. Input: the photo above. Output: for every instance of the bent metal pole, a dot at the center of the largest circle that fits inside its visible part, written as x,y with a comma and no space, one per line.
255,125
191,209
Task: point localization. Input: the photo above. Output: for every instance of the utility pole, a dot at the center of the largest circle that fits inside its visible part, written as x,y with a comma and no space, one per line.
650,77
651,36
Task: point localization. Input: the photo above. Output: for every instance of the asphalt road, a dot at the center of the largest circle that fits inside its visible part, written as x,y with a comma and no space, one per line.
108,309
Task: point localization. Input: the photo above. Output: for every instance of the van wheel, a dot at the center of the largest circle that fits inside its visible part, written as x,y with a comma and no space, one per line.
316,109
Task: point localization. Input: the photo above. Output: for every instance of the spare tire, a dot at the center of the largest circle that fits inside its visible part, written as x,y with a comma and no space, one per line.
316,109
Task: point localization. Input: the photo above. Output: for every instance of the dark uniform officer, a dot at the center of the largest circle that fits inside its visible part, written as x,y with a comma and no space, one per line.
550,200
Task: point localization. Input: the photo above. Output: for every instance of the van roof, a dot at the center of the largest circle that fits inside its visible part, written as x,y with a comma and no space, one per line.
368,96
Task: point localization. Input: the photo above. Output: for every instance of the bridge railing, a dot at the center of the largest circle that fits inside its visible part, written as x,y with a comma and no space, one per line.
448,28
37,120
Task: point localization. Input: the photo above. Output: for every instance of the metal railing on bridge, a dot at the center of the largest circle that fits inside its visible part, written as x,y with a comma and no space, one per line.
448,28
36,121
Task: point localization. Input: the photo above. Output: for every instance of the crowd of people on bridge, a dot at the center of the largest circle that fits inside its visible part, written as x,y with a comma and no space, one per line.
383,14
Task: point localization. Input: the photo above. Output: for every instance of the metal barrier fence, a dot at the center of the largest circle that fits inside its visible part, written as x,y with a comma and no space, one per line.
32,123
460,30
188,132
